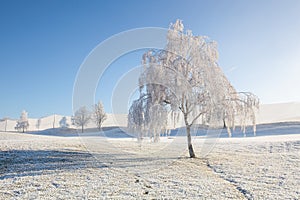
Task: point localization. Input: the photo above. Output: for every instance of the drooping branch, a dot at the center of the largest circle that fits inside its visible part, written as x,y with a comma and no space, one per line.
185,78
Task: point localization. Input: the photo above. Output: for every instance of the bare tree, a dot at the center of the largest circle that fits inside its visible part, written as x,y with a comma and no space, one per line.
99,114
38,123
54,119
22,123
81,118
63,123
5,119
185,78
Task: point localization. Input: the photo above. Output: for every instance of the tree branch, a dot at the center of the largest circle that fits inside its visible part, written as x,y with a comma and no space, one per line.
201,113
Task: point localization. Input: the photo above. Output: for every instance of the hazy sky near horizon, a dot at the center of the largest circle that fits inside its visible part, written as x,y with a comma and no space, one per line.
43,44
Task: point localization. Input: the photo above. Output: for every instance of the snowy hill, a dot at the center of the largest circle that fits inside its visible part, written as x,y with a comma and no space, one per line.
57,121
268,113
282,112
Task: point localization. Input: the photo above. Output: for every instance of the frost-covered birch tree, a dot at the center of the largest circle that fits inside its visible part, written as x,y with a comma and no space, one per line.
99,114
81,117
186,78
22,123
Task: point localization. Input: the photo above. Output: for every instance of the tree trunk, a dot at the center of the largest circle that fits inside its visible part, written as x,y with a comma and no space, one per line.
224,124
189,140
82,129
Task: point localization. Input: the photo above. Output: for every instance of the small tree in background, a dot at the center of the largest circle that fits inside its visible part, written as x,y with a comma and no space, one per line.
63,123
54,119
38,123
22,123
81,118
5,119
99,114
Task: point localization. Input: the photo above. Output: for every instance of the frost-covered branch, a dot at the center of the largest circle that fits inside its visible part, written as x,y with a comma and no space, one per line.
99,115
185,78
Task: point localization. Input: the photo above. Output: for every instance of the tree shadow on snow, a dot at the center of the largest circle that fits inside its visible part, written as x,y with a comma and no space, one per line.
19,163
22,163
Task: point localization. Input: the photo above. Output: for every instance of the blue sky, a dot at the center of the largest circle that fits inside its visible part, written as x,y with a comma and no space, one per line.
43,44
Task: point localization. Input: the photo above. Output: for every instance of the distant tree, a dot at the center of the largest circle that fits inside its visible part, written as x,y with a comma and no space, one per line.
63,123
81,118
54,117
38,123
99,114
22,123
5,119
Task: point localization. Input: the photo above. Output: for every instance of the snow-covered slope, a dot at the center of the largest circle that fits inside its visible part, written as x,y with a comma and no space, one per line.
56,121
268,113
282,112
50,167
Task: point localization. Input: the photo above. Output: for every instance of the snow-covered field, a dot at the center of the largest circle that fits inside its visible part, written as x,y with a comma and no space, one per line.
92,167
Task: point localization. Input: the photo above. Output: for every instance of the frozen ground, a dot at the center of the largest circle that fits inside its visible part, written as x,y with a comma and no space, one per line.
53,167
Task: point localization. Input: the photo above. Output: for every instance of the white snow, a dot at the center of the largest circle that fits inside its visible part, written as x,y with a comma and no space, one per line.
268,113
52,121
94,167
280,112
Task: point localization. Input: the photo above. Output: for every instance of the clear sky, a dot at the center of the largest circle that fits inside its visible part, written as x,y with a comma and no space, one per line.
44,42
